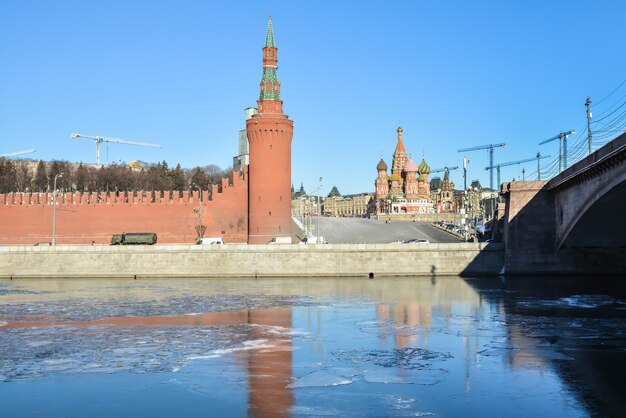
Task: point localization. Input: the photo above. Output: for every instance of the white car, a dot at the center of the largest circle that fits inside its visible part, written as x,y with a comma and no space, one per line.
210,241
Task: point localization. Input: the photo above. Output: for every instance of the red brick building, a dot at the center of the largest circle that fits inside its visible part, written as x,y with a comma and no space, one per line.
255,207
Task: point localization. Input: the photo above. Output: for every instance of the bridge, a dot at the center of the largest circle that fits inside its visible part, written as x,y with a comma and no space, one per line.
572,224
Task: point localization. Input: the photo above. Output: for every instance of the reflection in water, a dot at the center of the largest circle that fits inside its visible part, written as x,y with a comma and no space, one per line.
269,370
297,347
575,326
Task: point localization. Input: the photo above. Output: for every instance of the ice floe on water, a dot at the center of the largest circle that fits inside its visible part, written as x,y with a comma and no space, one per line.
421,377
573,302
406,358
321,378
278,330
316,411
82,309
109,349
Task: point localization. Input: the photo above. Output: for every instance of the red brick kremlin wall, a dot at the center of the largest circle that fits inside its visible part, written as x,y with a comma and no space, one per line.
83,218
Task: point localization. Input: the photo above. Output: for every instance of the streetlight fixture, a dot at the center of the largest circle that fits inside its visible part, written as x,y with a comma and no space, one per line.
54,209
318,237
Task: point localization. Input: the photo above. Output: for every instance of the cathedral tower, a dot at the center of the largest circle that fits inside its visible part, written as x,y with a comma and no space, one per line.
269,133
399,157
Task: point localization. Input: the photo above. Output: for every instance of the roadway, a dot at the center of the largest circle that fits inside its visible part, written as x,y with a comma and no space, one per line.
359,230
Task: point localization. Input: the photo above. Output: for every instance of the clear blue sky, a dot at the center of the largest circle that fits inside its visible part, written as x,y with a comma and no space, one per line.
180,73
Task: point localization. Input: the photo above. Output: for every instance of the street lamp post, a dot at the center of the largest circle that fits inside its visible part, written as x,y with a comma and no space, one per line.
54,209
317,240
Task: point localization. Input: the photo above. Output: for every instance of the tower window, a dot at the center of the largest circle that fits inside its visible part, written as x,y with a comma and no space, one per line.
270,146
270,213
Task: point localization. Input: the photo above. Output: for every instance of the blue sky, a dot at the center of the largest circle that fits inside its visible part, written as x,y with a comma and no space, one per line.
179,73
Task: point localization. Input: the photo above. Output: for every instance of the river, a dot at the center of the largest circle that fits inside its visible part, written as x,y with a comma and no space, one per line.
414,346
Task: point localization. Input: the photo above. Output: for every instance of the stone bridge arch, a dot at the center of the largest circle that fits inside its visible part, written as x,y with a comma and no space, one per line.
598,222
590,203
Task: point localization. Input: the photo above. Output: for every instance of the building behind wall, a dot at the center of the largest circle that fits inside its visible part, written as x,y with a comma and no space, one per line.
243,158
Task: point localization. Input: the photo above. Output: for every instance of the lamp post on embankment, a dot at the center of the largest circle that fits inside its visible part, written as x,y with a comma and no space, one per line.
319,188
54,209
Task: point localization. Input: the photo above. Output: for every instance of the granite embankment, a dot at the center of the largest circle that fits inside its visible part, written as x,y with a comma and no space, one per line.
240,260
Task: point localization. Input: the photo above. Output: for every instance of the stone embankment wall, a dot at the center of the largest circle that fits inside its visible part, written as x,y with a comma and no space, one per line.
83,218
330,260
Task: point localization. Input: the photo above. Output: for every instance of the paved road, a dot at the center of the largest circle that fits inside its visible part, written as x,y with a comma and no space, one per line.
358,230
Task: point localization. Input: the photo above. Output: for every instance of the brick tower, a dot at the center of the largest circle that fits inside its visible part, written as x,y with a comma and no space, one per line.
269,134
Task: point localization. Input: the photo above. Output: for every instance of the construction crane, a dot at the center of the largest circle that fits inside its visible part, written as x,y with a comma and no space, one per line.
489,147
526,160
101,139
439,170
14,154
562,137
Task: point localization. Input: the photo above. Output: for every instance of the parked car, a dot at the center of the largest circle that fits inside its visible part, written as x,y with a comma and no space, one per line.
210,241
417,241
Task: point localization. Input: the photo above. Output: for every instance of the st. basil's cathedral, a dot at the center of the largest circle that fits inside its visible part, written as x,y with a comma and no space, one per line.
407,189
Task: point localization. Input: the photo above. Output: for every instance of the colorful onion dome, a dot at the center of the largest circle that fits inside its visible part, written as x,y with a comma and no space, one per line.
381,166
423,167
421,178
394,177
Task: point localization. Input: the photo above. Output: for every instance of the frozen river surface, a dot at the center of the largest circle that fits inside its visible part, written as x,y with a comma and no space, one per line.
296,347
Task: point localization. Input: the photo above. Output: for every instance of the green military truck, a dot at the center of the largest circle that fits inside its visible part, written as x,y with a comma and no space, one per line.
134,238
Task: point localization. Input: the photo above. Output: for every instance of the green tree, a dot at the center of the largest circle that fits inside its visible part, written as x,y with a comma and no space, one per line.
41,180
8,177
81,177
199,179
177,178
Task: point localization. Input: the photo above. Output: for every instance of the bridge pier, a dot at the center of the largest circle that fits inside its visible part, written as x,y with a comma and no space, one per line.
572,224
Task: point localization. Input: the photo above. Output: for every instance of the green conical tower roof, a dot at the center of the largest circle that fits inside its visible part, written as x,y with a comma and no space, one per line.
270,86
269,36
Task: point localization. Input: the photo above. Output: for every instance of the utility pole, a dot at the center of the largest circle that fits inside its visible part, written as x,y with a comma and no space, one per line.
465,161
538,165
560,151
588,105
523,174
318,239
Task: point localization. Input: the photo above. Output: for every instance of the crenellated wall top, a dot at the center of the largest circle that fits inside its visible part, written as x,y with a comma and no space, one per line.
126,197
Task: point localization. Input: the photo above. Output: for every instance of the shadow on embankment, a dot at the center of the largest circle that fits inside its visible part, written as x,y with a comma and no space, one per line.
488,262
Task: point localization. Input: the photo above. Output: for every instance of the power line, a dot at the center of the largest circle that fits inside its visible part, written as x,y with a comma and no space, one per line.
611,93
